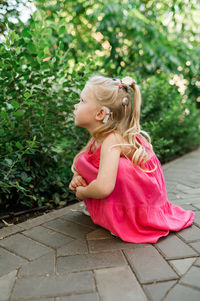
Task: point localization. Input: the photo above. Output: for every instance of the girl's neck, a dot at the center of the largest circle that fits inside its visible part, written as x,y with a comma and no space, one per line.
100,141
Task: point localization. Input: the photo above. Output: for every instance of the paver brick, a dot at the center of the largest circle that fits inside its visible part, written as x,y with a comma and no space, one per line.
6,231
24,246
149,265
182,265
111,244
36,221
180,201
80,218
183,200
53,286
9,262
173,247
46,217
197,218
69,228
99,233
188,190
90,261
45,299
196,246
157,291
192,277
189,234
82,297
40,266
193,181
73,248
183,293
117,284
48,237
197,205
189,207
197,262
6,285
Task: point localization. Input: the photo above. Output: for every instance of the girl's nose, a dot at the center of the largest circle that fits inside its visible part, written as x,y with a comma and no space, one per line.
75,106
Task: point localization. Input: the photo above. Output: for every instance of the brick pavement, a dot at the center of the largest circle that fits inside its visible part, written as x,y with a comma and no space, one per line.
63,256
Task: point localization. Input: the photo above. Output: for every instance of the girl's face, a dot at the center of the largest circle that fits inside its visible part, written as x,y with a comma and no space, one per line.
86,110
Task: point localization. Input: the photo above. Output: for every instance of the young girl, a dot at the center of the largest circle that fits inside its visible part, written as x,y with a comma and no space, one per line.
117,173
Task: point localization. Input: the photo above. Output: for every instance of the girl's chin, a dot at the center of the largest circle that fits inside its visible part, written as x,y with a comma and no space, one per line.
76,123
80,125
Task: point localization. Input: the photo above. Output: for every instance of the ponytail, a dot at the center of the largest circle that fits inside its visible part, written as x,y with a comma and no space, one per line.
135,120
140,156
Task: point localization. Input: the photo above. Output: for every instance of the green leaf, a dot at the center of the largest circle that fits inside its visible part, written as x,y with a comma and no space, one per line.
1,132
9,147
14,36
27,94
9,161
14,104
19,113
28,179
18,145
7,42
34,16
26,33
40,54
46,50
49,31
4,114
38,60
62,203
62,30
24,176
31,47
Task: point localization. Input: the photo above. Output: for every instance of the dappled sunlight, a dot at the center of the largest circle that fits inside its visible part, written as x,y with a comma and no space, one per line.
180,82
97,36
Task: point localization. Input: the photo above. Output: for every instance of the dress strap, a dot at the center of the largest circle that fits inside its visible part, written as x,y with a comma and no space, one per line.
89,150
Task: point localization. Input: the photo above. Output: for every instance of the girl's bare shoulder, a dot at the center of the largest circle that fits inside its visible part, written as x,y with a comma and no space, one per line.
116,138
113,139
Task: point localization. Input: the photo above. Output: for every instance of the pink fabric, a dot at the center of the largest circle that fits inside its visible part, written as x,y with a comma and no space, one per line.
138,209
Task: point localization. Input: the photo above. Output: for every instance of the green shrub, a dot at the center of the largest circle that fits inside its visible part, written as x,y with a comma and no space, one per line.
37,131
172,119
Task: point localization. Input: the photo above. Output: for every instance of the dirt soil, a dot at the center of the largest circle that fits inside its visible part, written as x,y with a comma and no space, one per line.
13,220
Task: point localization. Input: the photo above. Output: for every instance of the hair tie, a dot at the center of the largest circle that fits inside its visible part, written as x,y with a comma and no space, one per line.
128,81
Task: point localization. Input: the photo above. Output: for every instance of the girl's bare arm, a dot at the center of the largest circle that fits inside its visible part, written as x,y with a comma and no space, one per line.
104,184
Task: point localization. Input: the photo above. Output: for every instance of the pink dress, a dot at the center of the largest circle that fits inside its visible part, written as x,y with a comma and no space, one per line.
138,209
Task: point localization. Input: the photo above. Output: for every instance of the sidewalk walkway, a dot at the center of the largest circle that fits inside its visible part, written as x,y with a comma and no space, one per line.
63,256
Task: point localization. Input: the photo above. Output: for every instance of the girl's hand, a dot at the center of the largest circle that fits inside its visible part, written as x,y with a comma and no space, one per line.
77,181
80,193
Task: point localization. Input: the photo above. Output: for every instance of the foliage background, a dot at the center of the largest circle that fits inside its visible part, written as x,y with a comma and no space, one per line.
45,62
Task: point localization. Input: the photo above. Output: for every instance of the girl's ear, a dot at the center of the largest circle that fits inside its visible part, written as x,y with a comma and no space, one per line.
101,114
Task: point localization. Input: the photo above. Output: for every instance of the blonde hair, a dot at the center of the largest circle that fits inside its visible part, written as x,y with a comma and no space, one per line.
125,119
